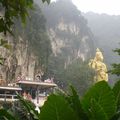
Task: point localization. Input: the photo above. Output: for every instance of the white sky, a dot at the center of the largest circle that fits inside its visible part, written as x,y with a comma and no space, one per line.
99,6
111,7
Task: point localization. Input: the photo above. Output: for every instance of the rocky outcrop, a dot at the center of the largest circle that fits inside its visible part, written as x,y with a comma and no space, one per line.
69,36
18,61
68,31
29,52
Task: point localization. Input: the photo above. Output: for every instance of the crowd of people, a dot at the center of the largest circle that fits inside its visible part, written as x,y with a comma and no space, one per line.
27,96
37,78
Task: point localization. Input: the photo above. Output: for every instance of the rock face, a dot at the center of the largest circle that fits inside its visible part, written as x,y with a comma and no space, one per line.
19,62
68,31
69,36
30,49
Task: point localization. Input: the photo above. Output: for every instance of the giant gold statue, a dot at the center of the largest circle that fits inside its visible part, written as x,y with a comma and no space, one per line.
99,67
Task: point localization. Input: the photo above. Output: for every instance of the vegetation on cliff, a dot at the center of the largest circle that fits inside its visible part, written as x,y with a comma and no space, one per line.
72,44
34,34
29,44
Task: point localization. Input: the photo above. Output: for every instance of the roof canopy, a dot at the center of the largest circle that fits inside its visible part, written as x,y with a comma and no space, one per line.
36,84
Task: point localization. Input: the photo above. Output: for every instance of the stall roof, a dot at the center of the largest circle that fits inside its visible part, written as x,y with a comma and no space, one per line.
36,83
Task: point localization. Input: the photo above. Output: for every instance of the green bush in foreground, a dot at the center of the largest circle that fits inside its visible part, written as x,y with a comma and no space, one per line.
101,102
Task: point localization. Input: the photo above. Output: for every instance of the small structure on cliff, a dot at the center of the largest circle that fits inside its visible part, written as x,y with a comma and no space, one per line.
99,66
35,91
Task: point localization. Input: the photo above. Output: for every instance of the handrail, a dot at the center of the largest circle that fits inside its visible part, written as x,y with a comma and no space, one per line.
7,95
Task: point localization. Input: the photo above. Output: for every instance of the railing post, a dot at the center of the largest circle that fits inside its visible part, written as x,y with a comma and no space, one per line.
37,95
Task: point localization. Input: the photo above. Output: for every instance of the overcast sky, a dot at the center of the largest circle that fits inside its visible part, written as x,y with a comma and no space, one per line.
111,7
99,6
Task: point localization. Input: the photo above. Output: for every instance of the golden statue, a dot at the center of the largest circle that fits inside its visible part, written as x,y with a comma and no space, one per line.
99,67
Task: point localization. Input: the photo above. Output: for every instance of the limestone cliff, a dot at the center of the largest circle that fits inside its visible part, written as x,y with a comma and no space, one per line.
67,34
68,31
30,49
18,61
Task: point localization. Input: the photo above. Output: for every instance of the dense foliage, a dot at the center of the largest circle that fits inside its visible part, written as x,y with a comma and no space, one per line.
100,102
76,73
13,9
116,66
79,75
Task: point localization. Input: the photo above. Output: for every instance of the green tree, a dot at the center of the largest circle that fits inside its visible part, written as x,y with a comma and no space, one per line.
9,10
80,75
76,73
116,66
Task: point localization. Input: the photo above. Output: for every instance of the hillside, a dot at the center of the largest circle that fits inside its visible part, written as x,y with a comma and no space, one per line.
56,41
106,29
30,48
72,44
68,30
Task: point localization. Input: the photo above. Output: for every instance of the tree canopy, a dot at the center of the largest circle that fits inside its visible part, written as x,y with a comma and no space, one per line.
116,66
9,10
